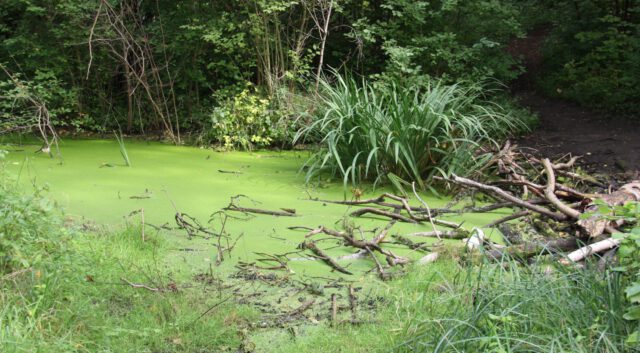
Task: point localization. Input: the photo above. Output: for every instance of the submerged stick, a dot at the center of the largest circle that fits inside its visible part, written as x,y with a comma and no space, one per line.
334,309
260,211
353,303
324,257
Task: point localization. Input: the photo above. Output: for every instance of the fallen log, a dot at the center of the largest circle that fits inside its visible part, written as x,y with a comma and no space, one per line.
597,247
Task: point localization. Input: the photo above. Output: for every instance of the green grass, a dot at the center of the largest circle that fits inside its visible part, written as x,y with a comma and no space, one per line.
524,310
83,305
372,131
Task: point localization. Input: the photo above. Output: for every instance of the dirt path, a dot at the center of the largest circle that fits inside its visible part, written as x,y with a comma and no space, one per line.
607,144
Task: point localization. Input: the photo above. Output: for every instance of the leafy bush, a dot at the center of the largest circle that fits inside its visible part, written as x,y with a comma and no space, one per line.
16,110
379,130
629,257
244,121
592,55
31,234
608,75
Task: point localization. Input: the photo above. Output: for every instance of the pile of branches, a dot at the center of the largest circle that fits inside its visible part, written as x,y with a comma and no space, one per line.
533,188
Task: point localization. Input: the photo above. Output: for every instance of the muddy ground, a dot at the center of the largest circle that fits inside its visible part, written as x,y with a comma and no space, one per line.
609,144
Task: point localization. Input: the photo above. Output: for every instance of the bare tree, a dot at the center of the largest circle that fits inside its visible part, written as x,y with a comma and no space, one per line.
320,12
122,32
38,116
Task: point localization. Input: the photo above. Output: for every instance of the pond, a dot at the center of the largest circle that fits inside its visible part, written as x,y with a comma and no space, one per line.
94,187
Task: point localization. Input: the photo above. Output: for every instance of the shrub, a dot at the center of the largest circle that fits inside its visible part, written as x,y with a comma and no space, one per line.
376,131
31,234
244,121
607,76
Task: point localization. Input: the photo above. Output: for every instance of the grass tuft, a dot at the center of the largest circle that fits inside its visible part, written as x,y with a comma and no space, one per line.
123,148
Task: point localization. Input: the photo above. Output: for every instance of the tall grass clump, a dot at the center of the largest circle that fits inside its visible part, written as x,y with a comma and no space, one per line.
517,310
378,131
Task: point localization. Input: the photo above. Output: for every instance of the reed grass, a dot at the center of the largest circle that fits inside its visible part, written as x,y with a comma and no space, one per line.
373,131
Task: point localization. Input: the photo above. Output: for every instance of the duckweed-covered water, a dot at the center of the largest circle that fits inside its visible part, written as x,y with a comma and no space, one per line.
94,187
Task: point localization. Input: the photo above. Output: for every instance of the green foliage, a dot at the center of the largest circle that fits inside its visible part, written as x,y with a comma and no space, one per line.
215,46
244,121
376,130
629,255
17,111
593,54
31,234
455,40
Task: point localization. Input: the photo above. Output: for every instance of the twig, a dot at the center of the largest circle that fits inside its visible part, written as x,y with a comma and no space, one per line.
209,310
136,285
142,222
302,308
435,230
324,257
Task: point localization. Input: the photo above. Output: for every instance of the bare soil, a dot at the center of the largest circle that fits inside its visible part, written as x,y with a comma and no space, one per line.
608,144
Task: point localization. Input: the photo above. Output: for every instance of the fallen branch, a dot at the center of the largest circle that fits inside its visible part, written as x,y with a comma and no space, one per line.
508,218
508,197
260,211
550,189
379,212
323,256
530,249
449,234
